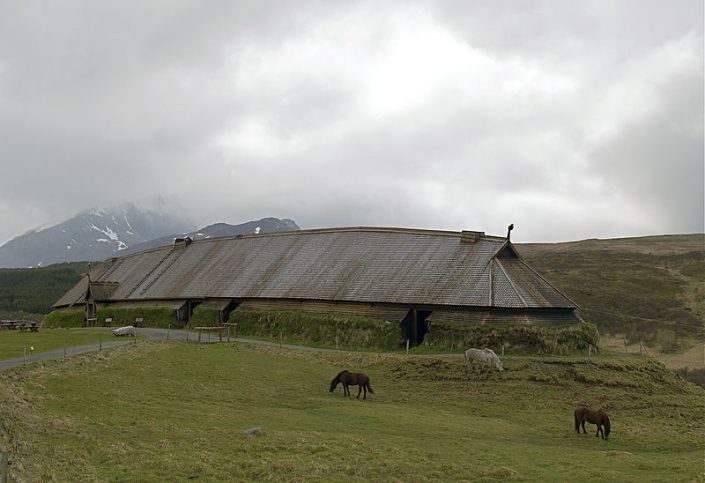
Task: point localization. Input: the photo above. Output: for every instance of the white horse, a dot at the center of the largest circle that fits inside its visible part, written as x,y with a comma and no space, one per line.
486,356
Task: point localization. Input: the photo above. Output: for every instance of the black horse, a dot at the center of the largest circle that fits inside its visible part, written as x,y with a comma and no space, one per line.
598,417
347,378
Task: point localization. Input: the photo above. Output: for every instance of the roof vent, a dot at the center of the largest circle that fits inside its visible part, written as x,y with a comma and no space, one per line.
470,237
186,240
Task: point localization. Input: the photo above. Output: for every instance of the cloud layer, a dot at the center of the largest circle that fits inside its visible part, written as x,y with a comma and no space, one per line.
569,120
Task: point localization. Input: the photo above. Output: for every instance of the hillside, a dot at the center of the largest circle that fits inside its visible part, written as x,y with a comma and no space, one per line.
33,291
140,413
644,287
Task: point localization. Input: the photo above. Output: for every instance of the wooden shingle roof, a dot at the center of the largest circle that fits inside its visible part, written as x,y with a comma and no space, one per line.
375,265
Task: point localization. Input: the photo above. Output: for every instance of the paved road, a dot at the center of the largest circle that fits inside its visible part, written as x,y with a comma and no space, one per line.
59,353
154,334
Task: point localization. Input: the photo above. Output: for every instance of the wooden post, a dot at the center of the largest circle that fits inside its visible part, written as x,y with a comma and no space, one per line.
220,335
589,350
100,342
641,347
407,347
502,349
414,327
199,336
4,466
64,347
228,333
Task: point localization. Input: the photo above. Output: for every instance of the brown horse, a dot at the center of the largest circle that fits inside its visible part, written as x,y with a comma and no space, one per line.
598,417
347,378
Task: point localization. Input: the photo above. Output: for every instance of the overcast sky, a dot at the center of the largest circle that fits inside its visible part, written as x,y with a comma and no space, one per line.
571,119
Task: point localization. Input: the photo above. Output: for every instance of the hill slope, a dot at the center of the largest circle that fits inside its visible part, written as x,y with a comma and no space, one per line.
34,290
638,286
141,413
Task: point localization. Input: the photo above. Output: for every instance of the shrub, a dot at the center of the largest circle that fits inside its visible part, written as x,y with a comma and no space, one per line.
204,316
351,331
65,318
158,317
561,339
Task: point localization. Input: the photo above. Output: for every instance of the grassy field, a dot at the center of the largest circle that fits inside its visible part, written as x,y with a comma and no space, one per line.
176,411
13,342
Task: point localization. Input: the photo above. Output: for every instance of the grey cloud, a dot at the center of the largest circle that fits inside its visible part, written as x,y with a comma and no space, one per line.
238,110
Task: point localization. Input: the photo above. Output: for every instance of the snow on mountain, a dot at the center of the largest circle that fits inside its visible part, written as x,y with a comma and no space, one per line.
94,234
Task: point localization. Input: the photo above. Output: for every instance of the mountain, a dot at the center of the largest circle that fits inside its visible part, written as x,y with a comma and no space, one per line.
265,225
95,234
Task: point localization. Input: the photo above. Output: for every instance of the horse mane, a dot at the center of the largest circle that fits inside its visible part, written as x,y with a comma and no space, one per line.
341,373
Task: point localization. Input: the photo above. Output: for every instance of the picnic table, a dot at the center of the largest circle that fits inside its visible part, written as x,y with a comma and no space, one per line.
21,325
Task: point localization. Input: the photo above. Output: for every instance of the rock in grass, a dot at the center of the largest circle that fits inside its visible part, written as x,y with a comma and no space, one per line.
256,431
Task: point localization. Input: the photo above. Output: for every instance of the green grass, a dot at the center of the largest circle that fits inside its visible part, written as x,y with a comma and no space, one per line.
159,317
352,332
175,411
65,319
628,289
13,342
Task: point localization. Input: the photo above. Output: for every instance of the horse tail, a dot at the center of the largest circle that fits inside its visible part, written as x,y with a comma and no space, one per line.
606,422
577,421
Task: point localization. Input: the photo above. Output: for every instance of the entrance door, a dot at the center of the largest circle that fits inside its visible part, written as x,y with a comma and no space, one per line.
414,325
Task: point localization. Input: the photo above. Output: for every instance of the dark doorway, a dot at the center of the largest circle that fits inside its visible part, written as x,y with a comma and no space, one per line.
414,325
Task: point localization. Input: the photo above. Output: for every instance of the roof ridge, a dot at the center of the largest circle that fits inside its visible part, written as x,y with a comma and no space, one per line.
316,231
352,229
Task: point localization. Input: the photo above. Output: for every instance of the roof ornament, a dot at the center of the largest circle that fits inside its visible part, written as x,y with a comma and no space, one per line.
509,230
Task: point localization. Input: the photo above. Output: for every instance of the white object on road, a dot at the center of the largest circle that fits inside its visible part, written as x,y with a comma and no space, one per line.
127,330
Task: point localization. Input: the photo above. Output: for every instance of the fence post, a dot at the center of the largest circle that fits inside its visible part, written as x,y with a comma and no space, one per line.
502,349
25,355
64,347
4,466
407,347
336,341
589,350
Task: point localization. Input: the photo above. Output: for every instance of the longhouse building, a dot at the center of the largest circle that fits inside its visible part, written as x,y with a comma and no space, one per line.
407,276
